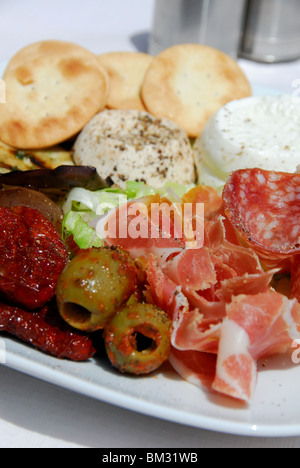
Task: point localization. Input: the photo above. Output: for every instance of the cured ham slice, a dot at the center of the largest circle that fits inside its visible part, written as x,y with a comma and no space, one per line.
197,368
137,227
241,259
192,269
247,284
255,327
236,372
161,290
205,272
208,196
193,328
194,331
213,208
264,208
252,327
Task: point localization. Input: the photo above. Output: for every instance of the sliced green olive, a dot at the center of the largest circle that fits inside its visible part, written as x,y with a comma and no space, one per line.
137,338
94,284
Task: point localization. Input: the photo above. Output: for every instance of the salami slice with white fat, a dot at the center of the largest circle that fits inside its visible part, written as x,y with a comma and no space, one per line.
264,208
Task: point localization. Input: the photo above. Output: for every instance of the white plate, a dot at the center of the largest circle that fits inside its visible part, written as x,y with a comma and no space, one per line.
274,411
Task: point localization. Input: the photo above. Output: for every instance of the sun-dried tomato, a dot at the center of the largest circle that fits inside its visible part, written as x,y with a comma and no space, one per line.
46,331
32,256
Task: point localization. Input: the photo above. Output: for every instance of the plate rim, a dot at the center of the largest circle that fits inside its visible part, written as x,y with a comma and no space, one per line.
53,376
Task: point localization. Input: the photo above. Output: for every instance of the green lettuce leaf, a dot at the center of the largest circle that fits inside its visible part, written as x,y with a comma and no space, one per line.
84,235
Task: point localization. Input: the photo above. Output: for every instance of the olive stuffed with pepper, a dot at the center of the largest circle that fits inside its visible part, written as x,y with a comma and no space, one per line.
94,284
137,338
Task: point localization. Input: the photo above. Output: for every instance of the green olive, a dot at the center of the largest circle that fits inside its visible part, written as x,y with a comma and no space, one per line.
137,338
94,284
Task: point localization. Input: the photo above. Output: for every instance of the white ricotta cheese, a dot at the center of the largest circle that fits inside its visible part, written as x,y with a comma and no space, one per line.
259,132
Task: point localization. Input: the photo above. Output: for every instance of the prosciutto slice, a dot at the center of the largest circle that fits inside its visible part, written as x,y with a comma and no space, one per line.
135,228
248,284
162,291
208,196
219,269
197,368
255,327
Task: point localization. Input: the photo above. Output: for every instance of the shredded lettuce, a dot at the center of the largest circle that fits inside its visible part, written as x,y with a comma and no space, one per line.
101,201
83,234
174,191
97,202
171,190
82,206
138,190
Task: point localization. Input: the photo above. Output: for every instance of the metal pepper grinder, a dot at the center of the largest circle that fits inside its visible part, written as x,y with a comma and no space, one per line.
272,30
216,23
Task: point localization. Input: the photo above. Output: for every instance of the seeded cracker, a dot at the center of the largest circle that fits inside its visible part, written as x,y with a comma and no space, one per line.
53,88
188,83
126,72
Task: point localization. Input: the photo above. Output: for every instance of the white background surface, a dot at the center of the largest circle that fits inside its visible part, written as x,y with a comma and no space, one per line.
34,414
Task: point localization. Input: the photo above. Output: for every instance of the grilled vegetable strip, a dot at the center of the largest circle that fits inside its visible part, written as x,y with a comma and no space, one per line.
62,177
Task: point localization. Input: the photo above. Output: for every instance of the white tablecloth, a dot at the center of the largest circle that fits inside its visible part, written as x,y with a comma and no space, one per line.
35,414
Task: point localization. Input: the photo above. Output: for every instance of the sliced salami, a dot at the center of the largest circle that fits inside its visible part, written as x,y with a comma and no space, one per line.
264,208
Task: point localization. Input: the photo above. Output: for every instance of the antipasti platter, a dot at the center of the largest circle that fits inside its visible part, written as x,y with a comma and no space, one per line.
198,326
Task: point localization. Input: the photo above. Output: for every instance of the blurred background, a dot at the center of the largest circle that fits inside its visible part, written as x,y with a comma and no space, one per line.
263,30
99,25
263,35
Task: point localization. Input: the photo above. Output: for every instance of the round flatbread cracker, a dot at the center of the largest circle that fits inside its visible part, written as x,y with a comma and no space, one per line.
126,72
53,88
188,83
